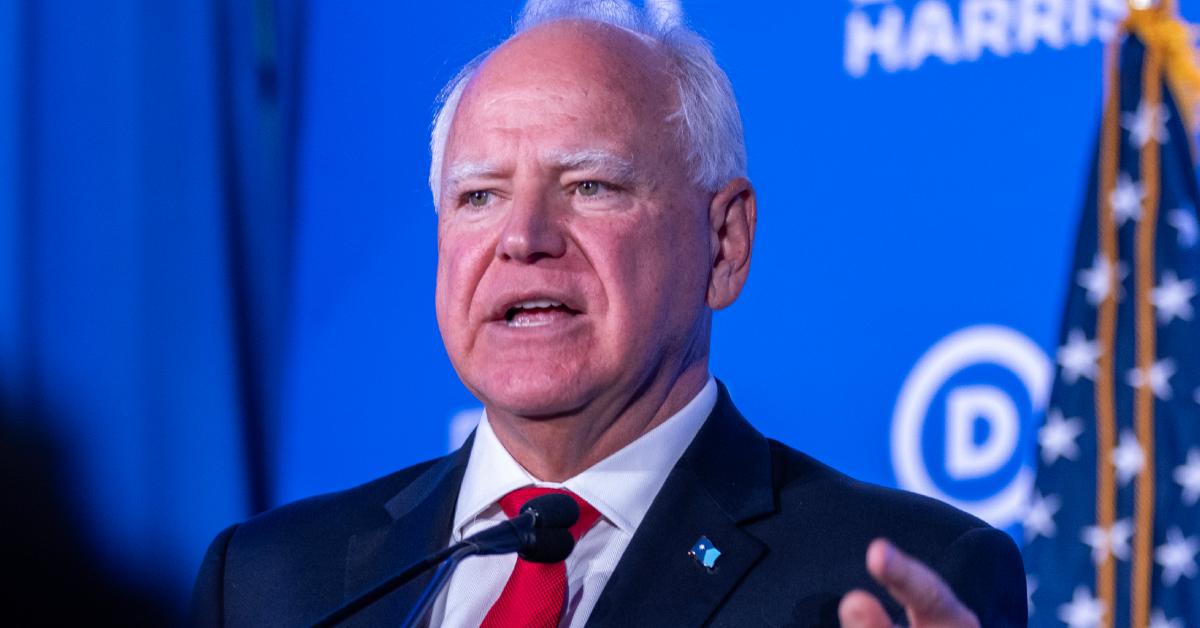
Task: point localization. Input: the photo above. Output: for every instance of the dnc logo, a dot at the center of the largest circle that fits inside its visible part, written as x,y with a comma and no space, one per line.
963,422
904,40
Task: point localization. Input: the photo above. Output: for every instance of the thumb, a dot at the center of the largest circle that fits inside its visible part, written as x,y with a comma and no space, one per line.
859,609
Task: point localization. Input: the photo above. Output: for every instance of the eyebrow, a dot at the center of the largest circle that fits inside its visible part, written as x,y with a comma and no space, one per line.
610,164
458,172
595,159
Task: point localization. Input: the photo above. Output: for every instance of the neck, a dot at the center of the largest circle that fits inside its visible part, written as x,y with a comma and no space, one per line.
554,450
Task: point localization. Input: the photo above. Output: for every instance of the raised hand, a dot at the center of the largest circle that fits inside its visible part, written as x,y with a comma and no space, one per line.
925,596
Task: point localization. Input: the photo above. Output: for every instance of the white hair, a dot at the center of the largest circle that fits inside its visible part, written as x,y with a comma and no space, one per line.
710,124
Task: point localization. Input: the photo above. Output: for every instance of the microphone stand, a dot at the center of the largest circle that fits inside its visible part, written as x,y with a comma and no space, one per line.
507,536
396,580
441,578
518,534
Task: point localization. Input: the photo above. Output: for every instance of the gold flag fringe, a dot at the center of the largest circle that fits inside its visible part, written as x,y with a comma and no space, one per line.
1161,29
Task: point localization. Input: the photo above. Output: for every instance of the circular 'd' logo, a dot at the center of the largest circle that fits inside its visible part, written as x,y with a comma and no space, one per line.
982,419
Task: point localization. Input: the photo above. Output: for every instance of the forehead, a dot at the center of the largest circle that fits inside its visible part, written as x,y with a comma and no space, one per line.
579,84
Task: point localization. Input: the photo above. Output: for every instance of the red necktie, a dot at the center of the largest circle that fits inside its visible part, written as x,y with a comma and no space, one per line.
536,592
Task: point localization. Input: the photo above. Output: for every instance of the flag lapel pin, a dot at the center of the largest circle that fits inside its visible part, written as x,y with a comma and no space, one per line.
705,553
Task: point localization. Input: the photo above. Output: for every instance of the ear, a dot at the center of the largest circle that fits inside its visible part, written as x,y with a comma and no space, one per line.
732,215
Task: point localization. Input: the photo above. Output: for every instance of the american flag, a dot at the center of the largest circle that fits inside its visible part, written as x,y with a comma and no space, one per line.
1112,533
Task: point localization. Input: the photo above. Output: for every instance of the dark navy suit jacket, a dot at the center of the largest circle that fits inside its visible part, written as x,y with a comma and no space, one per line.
793,535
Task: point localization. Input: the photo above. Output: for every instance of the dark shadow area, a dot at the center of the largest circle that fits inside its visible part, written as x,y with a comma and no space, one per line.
48,574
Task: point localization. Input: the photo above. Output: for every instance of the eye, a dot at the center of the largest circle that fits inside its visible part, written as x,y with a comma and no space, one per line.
590,188
478,198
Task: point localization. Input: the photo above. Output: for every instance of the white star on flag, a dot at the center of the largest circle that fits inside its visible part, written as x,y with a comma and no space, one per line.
1157,378
1128,457
1078,357
1083,611
1114,540
1173,298
1177,556
1147,123
1184,221
1039,518
1057,437
1188,476
1159,620
1031,585
1126,200
1097,279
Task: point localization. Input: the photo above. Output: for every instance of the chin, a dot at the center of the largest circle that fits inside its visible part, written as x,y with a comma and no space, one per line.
533,392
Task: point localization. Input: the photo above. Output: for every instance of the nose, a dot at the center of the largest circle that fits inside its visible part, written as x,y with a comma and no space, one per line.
531,231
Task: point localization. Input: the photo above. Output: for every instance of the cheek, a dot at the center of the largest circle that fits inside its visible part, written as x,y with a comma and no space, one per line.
656,277
442,300
462,260
673,253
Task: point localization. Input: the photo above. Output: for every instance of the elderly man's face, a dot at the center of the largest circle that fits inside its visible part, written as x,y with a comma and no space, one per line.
574,251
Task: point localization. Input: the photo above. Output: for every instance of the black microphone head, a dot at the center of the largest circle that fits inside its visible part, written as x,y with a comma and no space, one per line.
550,545
553,510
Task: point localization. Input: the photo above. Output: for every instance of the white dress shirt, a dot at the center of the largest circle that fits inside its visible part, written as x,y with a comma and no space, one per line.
620,487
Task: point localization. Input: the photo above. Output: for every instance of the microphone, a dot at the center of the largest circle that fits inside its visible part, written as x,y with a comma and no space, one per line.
550,546
539,533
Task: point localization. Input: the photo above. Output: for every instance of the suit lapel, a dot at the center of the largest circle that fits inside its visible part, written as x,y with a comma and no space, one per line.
722,481
426,505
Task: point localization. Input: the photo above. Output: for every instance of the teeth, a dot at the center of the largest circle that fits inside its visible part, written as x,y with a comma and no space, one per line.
529,305
522,321
517,322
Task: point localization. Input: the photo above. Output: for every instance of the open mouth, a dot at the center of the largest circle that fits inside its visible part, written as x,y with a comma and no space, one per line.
537,313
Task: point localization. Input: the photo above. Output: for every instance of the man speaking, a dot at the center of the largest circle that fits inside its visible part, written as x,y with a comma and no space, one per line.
593,212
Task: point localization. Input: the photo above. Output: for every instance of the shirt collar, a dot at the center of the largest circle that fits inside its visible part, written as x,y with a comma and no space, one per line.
621,486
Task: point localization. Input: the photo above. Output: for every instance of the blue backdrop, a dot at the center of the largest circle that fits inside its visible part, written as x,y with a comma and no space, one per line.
217,247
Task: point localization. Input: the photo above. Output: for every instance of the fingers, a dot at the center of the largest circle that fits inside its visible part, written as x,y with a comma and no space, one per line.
859,609
914,585
917,587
